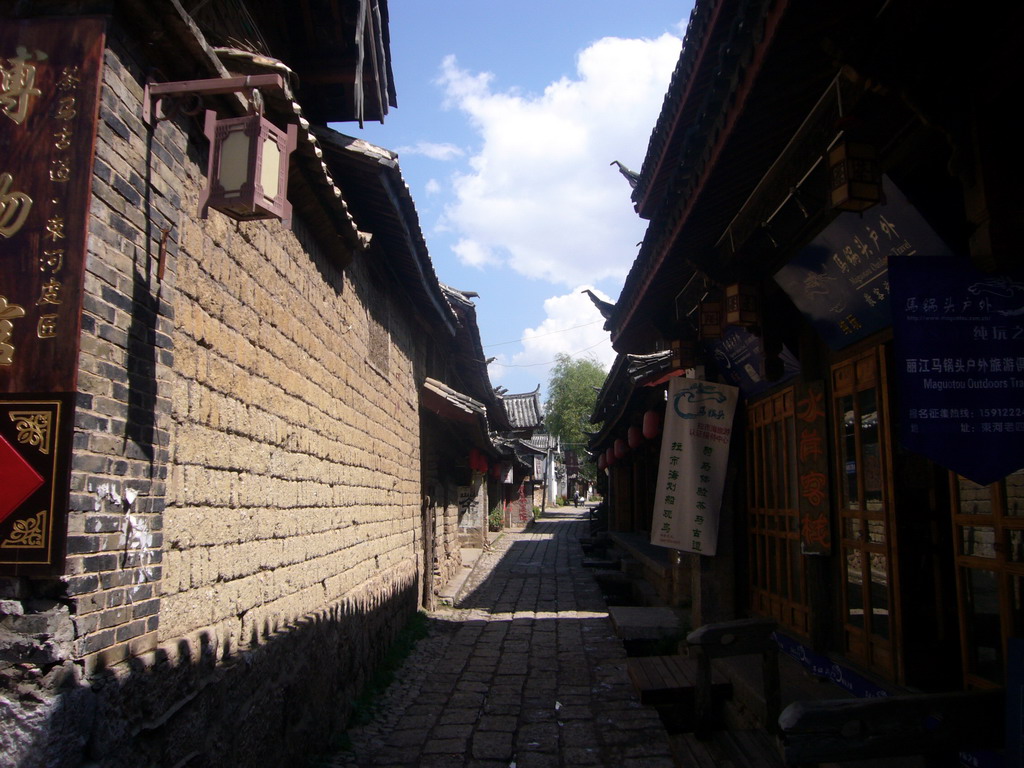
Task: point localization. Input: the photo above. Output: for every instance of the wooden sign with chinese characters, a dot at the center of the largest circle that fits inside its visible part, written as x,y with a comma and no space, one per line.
49,99
812,469
692,466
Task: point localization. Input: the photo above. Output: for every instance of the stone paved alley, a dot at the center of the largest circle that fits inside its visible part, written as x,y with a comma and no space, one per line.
526,670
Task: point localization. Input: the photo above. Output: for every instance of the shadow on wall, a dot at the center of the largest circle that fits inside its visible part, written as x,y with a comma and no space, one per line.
141,366
275,703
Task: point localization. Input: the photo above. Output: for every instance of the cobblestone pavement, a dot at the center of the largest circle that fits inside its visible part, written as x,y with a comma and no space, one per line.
525,671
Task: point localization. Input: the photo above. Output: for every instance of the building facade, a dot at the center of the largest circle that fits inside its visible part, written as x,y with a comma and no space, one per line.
825,195
214,516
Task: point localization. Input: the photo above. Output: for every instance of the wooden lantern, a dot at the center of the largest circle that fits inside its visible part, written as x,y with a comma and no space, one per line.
247,175
710,320
856,177
684,353
742,306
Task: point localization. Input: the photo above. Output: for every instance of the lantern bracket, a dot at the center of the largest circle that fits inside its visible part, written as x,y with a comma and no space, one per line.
154,93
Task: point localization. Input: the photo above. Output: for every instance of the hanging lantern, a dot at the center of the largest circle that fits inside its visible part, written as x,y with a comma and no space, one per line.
620,448
652,424
742,305
684,353
856,177
247,175
634,437
477,461
601,463
609,456
711,320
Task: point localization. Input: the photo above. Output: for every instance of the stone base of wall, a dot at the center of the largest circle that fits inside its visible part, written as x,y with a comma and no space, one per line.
198,704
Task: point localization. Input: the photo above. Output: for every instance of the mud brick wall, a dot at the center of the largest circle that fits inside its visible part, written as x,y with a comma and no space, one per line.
245,494
442,493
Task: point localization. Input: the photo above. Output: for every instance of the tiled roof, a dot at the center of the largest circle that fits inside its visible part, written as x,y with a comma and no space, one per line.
627,374
339,49
749,72
524,410
542,441
380,200
469,352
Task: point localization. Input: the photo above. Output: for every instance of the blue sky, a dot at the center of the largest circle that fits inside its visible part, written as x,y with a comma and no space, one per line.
508,117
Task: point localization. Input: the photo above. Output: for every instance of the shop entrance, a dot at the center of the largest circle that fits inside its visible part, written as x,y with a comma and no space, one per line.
864,494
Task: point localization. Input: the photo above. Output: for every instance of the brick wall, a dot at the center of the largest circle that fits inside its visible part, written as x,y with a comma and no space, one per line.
245,518
442,493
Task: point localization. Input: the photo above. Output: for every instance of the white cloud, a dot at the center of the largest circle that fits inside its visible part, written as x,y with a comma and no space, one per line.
432,150
571,325
474,254
540,195
432,187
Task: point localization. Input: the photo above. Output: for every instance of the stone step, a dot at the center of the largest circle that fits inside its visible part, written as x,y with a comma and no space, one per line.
645,623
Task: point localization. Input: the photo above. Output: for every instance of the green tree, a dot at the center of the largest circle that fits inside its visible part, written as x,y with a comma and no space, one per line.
572,394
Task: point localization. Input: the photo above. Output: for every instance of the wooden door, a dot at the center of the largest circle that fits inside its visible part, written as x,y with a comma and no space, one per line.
861,435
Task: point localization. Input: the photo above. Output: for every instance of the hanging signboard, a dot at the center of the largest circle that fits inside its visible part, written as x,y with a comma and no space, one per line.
49,101
840,280
740,358
958,336
691,471
812,469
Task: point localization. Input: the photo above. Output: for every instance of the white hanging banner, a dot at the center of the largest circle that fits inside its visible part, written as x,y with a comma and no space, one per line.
691,472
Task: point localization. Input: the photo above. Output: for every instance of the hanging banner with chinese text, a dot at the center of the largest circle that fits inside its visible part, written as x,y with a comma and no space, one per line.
692,467
840,279
812,469
49,100
958,336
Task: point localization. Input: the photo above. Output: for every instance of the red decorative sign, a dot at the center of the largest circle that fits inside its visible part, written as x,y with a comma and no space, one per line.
49,102
35,451
18,480
812,469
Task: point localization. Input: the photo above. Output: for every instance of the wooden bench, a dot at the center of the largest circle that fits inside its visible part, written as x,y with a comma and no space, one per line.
837,730
671,680
752,748
735,638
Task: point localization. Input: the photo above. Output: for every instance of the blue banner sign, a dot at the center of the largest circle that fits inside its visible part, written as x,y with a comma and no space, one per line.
840,280
740,358
958,335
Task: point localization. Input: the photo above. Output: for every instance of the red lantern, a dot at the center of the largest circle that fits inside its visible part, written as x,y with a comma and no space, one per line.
601,463
620,448
609,456
652,424
634,437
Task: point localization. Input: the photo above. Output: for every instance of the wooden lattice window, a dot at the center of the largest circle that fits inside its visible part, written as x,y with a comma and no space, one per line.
778,573
988,531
